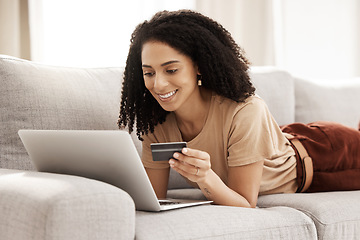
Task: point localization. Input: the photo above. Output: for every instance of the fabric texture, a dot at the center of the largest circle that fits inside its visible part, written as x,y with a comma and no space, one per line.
335,153
277,88
331,101
36,96
37,206
191,193
220,222
335,214
245,125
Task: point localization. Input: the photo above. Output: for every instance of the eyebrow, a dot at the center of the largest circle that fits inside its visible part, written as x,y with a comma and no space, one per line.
164,64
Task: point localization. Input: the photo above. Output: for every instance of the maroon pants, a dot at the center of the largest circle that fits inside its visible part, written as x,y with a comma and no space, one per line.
335,151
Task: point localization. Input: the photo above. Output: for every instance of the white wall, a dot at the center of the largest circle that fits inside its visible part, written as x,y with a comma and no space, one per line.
321,38
310,38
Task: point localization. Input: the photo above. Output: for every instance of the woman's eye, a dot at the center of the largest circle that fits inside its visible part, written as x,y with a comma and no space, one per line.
149,74
171,71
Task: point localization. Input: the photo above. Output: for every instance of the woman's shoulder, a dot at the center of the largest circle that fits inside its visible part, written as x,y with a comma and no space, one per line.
252,103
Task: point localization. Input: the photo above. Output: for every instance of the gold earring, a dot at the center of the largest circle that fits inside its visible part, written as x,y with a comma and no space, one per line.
199,80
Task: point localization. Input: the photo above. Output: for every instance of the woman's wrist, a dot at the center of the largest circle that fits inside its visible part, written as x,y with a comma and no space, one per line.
207,182
216,190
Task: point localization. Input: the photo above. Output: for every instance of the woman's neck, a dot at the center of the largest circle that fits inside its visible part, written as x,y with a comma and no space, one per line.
192,119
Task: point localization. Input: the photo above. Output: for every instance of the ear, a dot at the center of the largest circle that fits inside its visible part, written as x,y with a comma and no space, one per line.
198,70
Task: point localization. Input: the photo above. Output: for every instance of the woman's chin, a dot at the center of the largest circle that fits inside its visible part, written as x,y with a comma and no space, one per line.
168,107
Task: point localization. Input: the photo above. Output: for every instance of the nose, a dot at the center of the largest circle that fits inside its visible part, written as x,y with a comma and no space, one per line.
160,83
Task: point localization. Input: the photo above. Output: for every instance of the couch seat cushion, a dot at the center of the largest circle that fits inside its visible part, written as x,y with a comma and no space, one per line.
220,222
336,214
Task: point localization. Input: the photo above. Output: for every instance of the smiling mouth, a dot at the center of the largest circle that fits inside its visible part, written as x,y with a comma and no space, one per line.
167,95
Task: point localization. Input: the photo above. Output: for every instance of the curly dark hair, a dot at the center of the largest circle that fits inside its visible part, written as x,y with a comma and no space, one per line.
220,60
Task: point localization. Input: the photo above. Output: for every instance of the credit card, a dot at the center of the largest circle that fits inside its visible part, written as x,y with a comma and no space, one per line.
165,151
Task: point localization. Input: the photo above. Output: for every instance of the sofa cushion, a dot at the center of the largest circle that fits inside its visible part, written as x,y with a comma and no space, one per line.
36,96
276,87
336,214
186,193
222,222
336,101
37,205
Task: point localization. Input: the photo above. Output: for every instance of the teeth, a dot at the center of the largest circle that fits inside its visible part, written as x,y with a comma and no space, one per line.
168,94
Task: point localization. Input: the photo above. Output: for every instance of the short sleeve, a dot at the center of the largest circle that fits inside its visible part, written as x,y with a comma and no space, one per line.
251,136
146,158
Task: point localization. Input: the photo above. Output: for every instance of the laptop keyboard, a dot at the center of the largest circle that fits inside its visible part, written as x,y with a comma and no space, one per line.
167,202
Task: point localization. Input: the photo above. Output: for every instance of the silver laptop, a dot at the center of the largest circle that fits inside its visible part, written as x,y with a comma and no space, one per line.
108,156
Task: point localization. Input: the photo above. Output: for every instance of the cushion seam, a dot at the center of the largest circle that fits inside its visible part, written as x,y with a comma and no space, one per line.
306,225
313,217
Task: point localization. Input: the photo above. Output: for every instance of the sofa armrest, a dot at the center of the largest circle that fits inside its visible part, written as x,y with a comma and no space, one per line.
36,205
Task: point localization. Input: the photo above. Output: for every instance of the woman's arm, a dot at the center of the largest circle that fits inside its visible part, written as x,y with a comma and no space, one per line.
243,182
159,179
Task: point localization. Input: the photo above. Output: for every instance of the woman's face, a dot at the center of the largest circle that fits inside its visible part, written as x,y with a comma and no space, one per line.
170,76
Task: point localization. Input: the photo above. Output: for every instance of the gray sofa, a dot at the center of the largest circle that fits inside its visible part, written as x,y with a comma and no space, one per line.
37,205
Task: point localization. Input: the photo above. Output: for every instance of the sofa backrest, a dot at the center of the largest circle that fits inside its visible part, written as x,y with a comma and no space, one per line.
277,88
332,100
37,96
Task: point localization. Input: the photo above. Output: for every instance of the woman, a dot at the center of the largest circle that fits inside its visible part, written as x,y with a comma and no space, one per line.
187,80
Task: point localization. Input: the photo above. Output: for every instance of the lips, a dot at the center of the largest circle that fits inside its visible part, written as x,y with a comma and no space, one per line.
167,96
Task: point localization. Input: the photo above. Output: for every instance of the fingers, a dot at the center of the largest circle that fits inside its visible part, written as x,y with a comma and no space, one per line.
195,153
191,175
181,166
192,164
191,156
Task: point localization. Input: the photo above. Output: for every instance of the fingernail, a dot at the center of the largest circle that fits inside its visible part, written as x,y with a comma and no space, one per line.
184,150
176,155
171,162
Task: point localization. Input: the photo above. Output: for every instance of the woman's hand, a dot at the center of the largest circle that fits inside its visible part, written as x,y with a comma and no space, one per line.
243,181
192,164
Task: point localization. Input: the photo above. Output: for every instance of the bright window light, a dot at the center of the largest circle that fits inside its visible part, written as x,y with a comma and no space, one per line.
95,33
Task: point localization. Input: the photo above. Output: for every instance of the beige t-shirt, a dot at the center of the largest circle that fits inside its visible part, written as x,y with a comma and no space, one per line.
235,134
